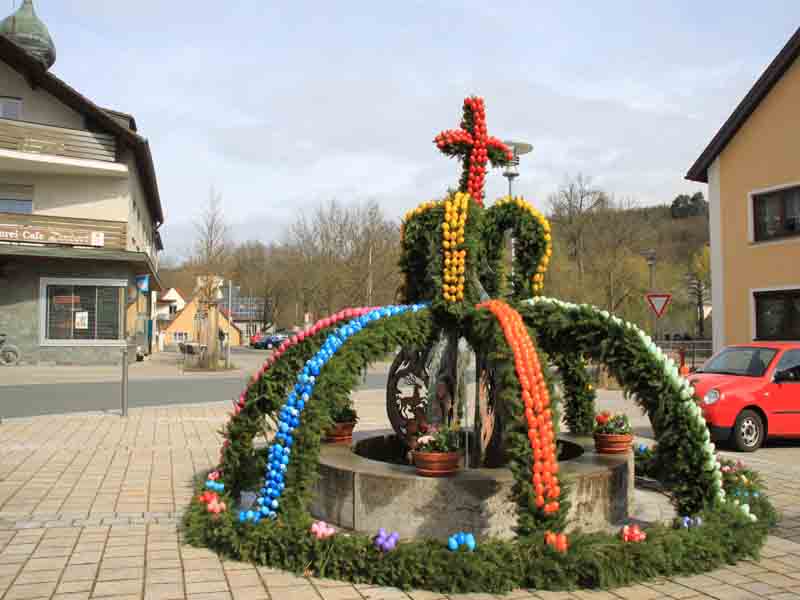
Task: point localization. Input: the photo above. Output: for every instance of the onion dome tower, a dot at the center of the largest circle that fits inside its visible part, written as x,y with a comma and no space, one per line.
26,29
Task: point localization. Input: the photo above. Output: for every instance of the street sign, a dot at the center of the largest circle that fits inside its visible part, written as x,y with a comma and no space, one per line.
658,303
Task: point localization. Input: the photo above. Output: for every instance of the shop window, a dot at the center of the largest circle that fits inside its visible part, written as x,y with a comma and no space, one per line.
82,311
778,315
777,214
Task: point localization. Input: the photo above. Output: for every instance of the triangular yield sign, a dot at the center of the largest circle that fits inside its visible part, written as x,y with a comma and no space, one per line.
658,303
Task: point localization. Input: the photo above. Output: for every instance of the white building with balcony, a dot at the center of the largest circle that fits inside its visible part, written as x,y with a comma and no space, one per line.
79,212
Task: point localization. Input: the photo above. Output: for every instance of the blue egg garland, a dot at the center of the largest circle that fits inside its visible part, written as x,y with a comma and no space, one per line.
278,456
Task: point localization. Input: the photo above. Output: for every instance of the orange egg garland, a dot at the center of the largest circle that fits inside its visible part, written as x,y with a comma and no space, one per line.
536,400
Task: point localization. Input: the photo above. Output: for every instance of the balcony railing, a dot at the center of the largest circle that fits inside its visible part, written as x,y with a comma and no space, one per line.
34,138
62,231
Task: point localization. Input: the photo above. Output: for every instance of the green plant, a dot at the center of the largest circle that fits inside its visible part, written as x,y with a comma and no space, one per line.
344,414
444,439
606,423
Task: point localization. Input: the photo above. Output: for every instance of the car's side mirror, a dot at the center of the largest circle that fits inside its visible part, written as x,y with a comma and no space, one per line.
693,370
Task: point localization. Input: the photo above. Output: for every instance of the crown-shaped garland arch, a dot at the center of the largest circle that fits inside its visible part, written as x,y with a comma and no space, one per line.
452,258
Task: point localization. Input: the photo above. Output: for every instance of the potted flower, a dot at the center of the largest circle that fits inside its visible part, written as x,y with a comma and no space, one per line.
612,433
435,452
344,421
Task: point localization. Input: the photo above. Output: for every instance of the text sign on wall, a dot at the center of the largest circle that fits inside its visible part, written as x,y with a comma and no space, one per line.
36,234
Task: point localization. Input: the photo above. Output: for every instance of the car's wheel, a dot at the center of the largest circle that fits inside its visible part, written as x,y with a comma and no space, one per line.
748,432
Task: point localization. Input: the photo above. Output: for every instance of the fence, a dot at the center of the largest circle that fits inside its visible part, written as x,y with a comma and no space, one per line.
695,352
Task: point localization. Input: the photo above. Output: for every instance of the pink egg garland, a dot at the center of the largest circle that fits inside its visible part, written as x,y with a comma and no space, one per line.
281,350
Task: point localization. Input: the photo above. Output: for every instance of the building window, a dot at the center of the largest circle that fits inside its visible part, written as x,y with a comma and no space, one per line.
180,336
16,198
173,309
777,214
11,108
82,312
778,315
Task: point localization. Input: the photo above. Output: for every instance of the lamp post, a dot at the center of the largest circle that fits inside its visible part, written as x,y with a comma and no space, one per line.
511,172
650,256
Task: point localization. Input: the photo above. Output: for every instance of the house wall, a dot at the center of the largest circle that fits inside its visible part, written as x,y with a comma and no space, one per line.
20,309
763,154
37,105
184,322
75,196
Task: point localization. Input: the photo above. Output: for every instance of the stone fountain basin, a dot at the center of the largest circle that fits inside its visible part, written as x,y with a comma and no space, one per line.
361,494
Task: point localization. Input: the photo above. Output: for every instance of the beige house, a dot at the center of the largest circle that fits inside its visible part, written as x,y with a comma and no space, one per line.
752,167
186,326
79,212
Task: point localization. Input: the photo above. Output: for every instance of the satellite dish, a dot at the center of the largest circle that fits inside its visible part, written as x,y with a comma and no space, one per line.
519,148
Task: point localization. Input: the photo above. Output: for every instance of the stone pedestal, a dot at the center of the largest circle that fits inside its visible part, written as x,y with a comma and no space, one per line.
362,494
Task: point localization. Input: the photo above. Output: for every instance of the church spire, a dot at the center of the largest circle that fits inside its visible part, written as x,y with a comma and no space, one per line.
26,29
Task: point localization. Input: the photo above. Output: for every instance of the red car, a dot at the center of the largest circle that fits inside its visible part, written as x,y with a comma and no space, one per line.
750,392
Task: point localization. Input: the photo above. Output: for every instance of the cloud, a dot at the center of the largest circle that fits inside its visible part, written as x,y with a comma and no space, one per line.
284,105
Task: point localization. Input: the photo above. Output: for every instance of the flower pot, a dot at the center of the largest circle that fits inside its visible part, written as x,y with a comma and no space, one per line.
613,443
340,433
436,464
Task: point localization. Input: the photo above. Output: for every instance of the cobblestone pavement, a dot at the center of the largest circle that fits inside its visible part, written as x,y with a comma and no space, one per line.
90,505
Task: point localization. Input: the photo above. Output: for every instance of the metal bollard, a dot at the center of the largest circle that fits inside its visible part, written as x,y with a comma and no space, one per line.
125,381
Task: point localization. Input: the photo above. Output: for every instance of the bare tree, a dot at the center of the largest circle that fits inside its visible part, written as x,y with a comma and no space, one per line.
617,271
571,209
699,286
209,260
344,256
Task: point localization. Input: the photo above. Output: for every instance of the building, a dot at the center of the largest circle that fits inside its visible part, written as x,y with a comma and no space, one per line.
79,212
167,307
169,304
752,167
248,311
187,325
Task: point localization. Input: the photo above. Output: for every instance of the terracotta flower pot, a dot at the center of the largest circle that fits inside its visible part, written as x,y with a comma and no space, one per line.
340,433
613,443
436,464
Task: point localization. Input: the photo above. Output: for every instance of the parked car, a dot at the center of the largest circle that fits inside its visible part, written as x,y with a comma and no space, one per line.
751,392
271,340
255,338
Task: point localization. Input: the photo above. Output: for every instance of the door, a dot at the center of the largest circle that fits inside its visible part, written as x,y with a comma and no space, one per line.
785,396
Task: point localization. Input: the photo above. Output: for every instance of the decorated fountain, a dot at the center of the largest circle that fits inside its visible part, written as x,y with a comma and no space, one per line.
517,512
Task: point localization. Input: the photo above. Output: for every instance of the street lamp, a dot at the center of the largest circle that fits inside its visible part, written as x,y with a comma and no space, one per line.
511,170
650,257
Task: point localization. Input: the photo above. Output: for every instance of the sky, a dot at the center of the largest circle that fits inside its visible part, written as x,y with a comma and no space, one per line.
283,106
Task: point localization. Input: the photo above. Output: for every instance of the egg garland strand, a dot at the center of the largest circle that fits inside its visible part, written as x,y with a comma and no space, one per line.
536,399
280,450
238,405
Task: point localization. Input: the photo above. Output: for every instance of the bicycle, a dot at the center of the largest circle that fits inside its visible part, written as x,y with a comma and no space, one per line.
9,354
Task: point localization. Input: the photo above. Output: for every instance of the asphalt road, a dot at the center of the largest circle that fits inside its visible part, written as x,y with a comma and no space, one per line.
43,399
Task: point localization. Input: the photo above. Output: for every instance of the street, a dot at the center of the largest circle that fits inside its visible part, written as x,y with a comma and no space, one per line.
155,383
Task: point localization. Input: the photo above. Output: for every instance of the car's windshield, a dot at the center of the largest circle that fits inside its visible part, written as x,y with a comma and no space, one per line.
744,361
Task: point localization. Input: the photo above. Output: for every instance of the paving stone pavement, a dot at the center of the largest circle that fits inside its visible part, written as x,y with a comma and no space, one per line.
90,507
